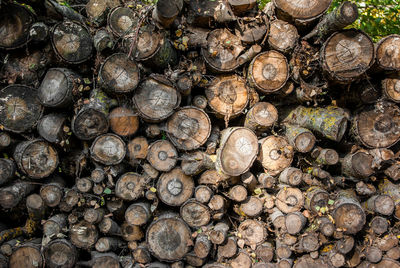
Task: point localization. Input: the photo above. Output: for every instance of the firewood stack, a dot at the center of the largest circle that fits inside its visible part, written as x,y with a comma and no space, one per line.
196,133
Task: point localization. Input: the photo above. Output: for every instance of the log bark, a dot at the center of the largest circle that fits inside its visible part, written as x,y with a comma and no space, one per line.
55,225
302,139
83,235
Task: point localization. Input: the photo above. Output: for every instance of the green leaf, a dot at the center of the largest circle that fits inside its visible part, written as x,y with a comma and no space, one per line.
107,191
331,202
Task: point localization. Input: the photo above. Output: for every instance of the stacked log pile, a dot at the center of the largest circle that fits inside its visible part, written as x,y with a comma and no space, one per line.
195,133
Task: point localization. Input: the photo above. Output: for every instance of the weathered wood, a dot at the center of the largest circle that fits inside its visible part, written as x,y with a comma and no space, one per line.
35,207
138,213
196,162
84,185
348,213
387,53
130,186
237,152
206,14
303,10
203,194
7,170
253,232
28,255
316,197
238,193
347,54
325,156
60,253
52,128
174,187
156,99
261,117
55,225
166,12
195,214
219,233
381,204
302,139
357,165
131,232
137,149
103,40
289,200
252,31
162,155
202,246
118,74
105,244
109,227
229,249
283,36
275,154
188,128
168,238
295,222
108,149
121,21
379,225
83,235
291,176
268,72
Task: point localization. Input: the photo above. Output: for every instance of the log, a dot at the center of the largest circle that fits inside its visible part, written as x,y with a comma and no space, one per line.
108,149
357,165
381,204
242,6
268,72
60,253
202,246
196,162
283,36
130,186
16,20
105,244
71,42
295,222
261,117
219,233
227,96
265,252
342,16
391,89
55,225
387,53
137,149
83,235
252,207
84,185
166,12
203,194
291,176
393,172
289,200
253,232
252,31
229,249
52,128
7,170
103,40
138,213
97,11
162,155
302,139
28,255
195,214
22,109
119,75
109,227
316,197
330,122
241,260
156,99
388,188
168,238
131,232
35,207
379,225
348,213
188,128
238,193
174,187
325,156
206,14
58,88
93,215
275,154
222,51
5,140
376,126
121,20
237,152
200,101
325,226
347,54
304,10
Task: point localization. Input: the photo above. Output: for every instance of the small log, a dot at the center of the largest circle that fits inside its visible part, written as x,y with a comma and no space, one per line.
97,11
376,127
195,214
105,244
266,181
7,248
227,96
242,260
131,232
138,213
108,149
83,235
275,154
121,20
291,176
141,254
347,54
137,149
166,12
188,128
381,204
119,75
237,152
238,193
103,40
242,6
348,213
357,165
200,101
325,156
219,233
325,226
7,170
388,188
5,140
252,207
16,21
203,194
196,162
69,201
253,232
247,56
229,249
268,72
282,251
316,197
93,215
162,155
283,36
379,225
60,253
91,121
36,207
174,187
265,252
202,246
391,89
22,109
84,185
252,31
12,194
302,139
393,172
330,122
222,51
102,260
295,222
373,254
336,20
58,87
71,42
387,53
52,128
156,99
218,204
261,117
55,225
150,171
393,253
117,207
305,10
28,255
336,259
98,175
130,186
289,200
109,227
168,238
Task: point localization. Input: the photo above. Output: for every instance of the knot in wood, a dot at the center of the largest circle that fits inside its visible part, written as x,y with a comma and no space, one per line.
175,187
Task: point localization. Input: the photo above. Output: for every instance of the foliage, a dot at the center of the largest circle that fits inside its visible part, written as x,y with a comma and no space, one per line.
378,18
